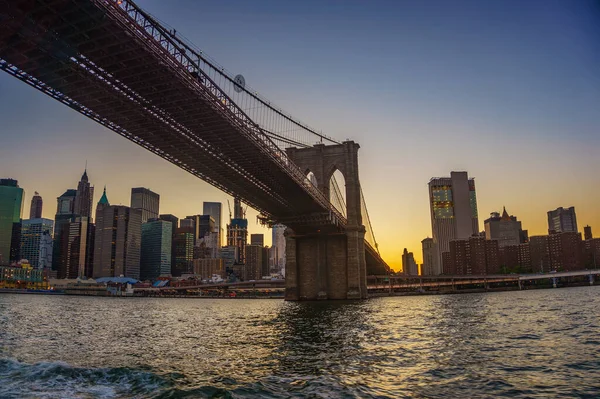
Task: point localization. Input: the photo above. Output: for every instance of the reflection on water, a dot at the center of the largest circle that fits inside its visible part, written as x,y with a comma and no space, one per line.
530,344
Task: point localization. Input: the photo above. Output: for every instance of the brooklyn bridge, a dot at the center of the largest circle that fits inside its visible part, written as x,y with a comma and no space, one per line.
115,64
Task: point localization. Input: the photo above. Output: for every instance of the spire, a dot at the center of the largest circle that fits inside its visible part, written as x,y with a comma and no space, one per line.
505,214
103,199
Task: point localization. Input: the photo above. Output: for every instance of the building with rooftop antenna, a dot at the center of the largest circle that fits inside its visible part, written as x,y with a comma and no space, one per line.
84,197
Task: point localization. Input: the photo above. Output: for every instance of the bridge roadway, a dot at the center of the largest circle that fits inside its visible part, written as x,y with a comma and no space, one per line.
383,282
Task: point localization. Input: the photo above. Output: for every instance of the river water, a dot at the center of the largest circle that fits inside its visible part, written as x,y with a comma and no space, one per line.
526,344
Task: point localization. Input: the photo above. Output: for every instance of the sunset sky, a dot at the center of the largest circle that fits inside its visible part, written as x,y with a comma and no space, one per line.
508,91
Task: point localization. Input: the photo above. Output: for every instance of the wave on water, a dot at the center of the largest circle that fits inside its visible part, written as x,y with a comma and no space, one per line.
51,380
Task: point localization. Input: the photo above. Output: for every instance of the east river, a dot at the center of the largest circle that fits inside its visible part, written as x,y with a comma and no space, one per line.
526,344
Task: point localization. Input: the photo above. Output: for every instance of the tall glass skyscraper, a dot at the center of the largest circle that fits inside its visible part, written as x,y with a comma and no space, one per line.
453,212
11,208
156,249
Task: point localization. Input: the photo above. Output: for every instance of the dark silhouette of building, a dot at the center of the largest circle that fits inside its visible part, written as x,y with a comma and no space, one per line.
566,251
65,213
76,248
429,256
84,197
506,229
35,211
257,239
157,238
562,220
118,240
474,256
174,220
587,232
184,251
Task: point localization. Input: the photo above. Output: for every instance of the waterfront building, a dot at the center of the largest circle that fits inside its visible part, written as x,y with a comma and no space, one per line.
474,256
525,258
157,238
36,242
237,232
254,262
23,276
35,210
184,251
506,229
84,197
215,210
146,201
539,253
257,239
429,257
409,266
118,240
566,251
11,209
562,220
278,249
76,245
453,203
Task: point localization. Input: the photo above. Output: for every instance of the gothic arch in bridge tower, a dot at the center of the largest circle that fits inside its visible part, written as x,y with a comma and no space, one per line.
322,263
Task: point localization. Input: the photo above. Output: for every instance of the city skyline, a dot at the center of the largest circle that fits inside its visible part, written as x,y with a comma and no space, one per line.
527,120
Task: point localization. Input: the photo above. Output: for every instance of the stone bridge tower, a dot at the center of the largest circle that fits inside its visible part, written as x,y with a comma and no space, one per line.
328,263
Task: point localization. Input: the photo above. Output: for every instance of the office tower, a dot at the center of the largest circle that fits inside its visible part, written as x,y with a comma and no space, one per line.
453,204
118,240
190,223
65,213
237,231
76,248
157,238
184,251
146,201
207,268
278,249
562,220
207,225
587,232
35,211
174,220
229,254
254,262
429,257
214,209
409,266
36,242
11,209
566,251
506,229
257,239
84,197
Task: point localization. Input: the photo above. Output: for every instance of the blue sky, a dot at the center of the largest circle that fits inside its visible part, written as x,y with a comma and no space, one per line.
507,90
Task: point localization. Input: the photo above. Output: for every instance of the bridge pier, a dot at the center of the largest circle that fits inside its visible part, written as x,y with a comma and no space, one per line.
323,266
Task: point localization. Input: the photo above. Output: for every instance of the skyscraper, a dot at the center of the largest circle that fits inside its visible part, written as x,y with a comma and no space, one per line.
11,209
278,249
118,240
214,209
184,251
506,229
76,248
587,232
147,201
257,239
156,249
174,220
429,257
237,231
35,211
84,197
36,242
453,212
254,262
562,220
65,213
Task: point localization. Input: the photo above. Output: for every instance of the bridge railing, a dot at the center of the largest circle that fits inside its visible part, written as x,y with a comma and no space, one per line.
202,75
